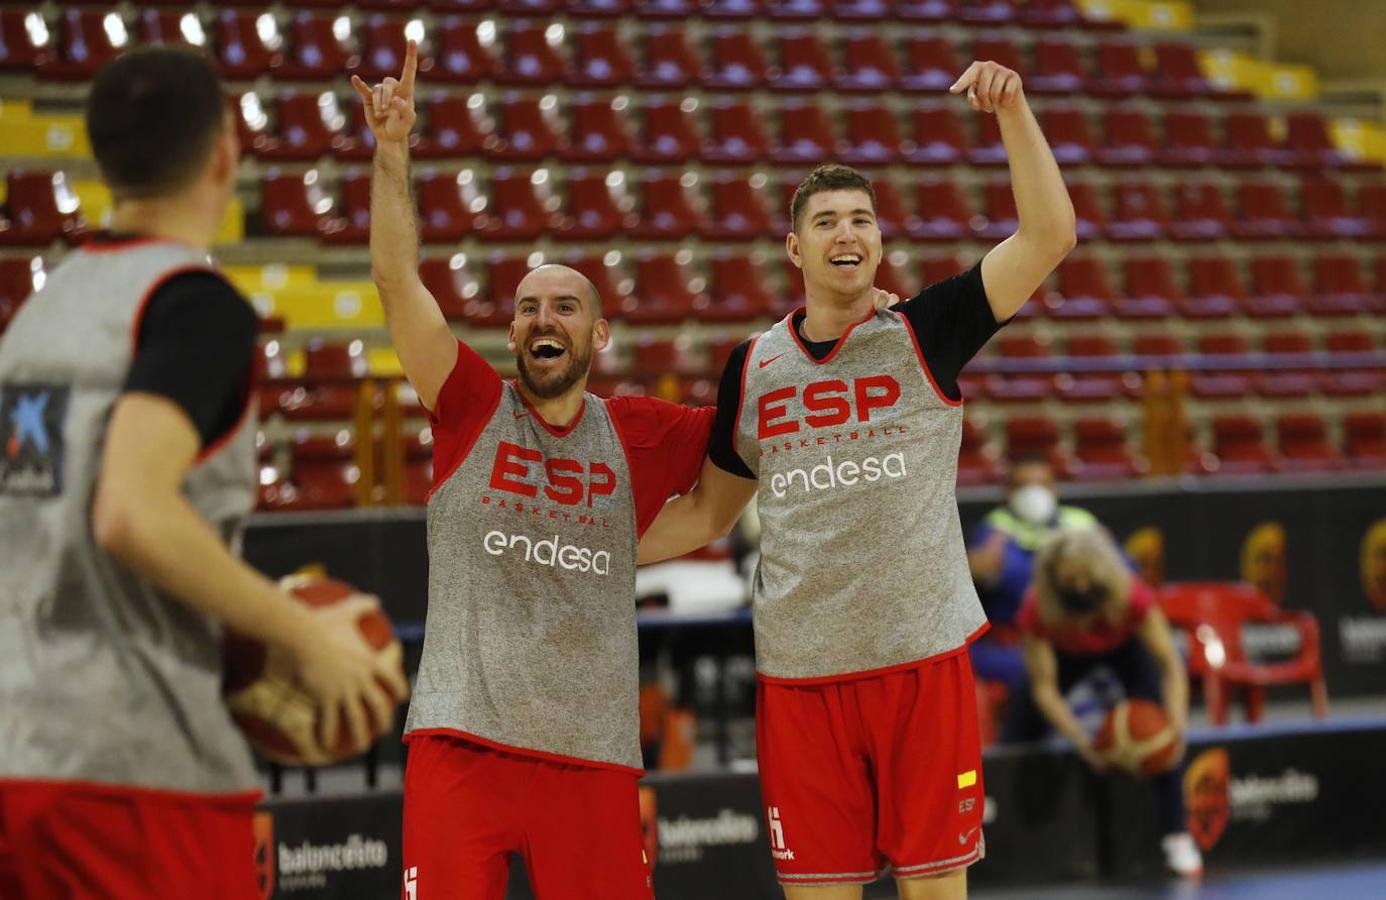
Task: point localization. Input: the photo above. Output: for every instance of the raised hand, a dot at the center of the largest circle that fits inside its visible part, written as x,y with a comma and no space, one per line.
990,87
883,299
389,106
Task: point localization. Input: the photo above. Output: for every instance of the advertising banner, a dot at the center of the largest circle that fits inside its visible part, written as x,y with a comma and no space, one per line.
329,848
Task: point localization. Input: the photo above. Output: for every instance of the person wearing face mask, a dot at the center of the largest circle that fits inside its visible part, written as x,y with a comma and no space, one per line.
1086,611
1001,555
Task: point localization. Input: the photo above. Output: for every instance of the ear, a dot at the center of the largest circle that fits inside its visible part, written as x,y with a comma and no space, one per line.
791,246
510,337
601,335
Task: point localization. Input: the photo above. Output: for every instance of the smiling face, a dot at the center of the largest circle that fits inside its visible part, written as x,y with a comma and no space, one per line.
837,243
556,329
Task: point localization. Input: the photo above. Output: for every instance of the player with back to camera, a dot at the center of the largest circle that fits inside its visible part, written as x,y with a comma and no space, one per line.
1086,610
847,422
127,469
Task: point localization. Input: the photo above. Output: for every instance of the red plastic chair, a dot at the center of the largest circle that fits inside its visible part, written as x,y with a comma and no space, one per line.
666,293
1092,220
1212,615
1263,213
459,54
943,211
668,61
1070,138
452,283
931,64
806,134
805,65
1094,387
597,131
352,225
1101,452
938,139
1130,140
868,64
1151,292
1311,146
1249,144
1084,291
302,131
976,461
927,11
448,204
314,51
454,126
873,136
1120,72
740,211
668,211
1364,440
1277,288
796,10
738,289
519,207
16,285
1324,204
1035,436
17,49
1138,213
736,134
1304,444
737,63
1239,445
1188,140
988,149
891,215
1340,289
39,208
595,209
1215,289
669,135
526,129
1200,214
83,45
599,59
985,12
529,58
1016,387
1058,68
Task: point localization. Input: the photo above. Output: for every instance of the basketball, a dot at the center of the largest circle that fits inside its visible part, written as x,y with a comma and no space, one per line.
276,714
1137,738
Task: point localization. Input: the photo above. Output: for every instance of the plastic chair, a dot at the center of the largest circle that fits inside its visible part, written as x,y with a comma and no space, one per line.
1212,615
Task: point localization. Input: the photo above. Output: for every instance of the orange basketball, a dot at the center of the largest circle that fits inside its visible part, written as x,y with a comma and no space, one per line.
1137,738
274,711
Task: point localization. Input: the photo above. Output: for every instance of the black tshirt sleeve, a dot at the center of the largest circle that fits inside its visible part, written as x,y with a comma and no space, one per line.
195,346
952,320
721,449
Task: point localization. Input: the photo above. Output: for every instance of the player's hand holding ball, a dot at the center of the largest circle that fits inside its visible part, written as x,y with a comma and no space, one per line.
990,87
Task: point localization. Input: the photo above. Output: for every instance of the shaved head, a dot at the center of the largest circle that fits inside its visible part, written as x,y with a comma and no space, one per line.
555,275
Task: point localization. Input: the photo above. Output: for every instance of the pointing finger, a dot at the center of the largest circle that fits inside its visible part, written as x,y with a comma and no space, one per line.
411,65
967,78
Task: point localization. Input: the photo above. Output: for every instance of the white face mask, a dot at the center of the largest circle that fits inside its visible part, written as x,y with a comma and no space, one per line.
1035,503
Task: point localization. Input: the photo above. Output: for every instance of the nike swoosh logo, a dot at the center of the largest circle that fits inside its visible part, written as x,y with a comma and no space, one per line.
765,362
962,838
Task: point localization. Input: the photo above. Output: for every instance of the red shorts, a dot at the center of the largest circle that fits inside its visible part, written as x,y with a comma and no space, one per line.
878,772
468,807
64,841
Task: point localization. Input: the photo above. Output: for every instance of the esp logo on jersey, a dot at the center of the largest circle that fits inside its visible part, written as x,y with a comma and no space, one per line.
567,482
827,404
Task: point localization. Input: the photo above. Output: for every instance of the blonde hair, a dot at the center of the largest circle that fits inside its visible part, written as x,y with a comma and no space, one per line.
1094,551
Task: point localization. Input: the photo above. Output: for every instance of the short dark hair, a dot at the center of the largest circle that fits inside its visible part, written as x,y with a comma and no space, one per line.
828,177
153,115
1030,458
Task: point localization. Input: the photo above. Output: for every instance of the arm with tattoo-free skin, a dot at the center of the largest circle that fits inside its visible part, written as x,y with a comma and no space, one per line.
699,517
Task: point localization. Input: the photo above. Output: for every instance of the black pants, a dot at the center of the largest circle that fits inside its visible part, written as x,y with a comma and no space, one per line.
1136,670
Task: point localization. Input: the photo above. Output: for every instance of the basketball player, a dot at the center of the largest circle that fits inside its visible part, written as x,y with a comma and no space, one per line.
523,731
847,422
127,467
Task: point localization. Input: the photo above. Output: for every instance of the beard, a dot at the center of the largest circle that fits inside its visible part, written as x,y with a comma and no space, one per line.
549,385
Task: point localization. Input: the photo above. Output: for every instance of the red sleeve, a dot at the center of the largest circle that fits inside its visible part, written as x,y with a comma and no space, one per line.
665,445
1141,602
1027,620
465,404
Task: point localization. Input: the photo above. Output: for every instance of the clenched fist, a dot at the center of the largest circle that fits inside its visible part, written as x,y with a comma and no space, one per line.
990,86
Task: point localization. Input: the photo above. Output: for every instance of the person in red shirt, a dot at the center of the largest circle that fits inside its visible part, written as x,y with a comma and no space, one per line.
1086,611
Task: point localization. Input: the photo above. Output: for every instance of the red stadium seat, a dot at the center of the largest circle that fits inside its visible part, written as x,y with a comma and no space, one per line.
607,273
1058,68
323,472
1179,76
460,6
895,278
302,130
731,9
16,284
449,205
1263,213
383,45
737,63
39,208
999,50
18,35
791,10
1100,451
740,210
1366,382
1188,140
165,27
519,209
1147,343
530,59
736,134
891,215
1001,219
294,205
1084,291
804,63
455,126
929,11
503,277
1371,200
1340,288
314,51
985,12
352,224
1284,383
943,211
988,150
668,210
939,139
1051,14
1120,72
1308,140
1213,618
976,462
931,64
868,64
1199,212
1069,135
1364,440
1249,144
739,293
1240,447
1215,289
669,135
1304,444
526,129
668,61
806,134
1130,141
452,283
1222,383
1137,212
597,131
1095,387
1011,387
599,59
87,39
873,136
595,207
460,56
1324,205
1035,436
666,291
1150,289
666,9
1092,221
356,143
1277,288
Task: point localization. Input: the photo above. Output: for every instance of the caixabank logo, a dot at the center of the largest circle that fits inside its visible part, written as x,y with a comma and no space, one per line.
32,433
1216,796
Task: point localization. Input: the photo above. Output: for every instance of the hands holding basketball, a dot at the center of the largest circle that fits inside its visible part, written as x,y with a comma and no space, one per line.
389,106
990,87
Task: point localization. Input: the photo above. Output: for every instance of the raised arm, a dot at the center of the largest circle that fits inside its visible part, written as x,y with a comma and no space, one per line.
699,517
1016,267
426,346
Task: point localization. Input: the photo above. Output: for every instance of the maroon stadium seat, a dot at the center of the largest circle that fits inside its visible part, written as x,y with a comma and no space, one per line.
599,59
1324,206
459,54
804,63
453,127
1100,450
1035,436
1199,212
529,58
1120,72
740,211
302,131
1248,143
868,64
294,205
1240,446
1215,289
1151,292
452,283
739,293
667,210
1084,291
517,211
668,61
1304,444
806,134
593,211
81,46
873,136
1058,68
1277,287
447,205
665,291
39,209
1263,213
736,133
1069,135
931,64
1138,214
313,51
939,139
1364,440
737,62
352,223
525,130
597,131
1340,288
1188,140
943,213
17,48
1130,140
668,136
